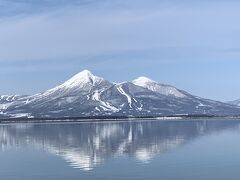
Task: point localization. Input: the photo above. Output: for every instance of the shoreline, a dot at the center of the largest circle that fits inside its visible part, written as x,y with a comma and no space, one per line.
113,119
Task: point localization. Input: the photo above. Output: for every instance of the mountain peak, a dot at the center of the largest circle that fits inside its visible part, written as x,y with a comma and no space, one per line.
83,81
157,87
142,81
83,75
85,71
82,78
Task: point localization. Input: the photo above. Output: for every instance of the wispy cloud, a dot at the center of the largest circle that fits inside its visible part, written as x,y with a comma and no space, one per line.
88,28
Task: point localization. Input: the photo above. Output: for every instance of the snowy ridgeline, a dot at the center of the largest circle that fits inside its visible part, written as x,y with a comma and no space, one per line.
88,95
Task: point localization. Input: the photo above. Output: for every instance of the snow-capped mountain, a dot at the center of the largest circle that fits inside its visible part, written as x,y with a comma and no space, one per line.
159,88
88,95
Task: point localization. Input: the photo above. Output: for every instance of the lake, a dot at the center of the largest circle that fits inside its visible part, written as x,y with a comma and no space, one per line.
140,150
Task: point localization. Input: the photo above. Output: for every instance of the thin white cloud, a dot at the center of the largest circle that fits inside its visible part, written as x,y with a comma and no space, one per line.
77,31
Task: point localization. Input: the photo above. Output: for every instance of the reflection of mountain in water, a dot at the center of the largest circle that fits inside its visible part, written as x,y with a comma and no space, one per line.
86,145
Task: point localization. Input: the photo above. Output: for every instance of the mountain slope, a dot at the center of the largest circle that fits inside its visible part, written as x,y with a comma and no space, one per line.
236,102
159,88
88,95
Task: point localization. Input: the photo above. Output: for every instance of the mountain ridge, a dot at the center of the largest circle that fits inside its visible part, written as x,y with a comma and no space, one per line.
234,102
86,95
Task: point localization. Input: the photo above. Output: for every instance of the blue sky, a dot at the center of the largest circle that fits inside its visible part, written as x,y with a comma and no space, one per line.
192,45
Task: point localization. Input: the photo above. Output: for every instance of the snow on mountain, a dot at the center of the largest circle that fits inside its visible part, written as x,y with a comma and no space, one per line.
81,80
82,85
236,102
106,106
157,87
87,95
129,98
123,96
8,100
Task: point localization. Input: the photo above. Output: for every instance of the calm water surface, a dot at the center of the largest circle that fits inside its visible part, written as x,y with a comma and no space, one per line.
150,150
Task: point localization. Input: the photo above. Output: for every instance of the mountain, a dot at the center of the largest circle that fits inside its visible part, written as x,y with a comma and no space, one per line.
236,102
7,100
87,95
159,88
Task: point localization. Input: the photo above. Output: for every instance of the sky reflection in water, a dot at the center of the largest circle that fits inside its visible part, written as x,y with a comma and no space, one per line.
123,150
